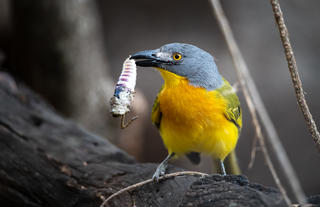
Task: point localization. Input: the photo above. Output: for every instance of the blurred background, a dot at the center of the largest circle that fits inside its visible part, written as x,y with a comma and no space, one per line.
71,52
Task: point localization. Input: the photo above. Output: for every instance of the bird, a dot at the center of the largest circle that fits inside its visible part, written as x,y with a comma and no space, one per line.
197,110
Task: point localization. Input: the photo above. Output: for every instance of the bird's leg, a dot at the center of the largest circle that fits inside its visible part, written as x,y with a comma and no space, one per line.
219,167
223,170
161,169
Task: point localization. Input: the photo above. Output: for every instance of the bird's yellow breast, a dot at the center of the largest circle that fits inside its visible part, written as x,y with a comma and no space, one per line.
193,119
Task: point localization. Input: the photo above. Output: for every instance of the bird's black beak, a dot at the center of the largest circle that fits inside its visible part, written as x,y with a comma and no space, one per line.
147,58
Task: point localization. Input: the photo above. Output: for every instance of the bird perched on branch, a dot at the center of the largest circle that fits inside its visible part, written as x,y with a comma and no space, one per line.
196,110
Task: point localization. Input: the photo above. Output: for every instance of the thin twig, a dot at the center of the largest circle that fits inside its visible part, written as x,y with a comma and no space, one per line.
254,102
123,123
134,186
253,152
293,69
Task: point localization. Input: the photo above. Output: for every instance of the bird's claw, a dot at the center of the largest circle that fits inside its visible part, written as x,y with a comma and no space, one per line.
160,171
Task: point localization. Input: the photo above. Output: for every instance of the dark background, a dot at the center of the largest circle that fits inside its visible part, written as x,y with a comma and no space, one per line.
69,51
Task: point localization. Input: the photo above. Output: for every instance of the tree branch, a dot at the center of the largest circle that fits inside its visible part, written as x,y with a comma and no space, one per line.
46,160
293,69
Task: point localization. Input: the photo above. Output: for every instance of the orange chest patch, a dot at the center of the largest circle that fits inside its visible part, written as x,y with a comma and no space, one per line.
188,106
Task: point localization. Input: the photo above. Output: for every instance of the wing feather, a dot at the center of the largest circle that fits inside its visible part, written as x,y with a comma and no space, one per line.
233,111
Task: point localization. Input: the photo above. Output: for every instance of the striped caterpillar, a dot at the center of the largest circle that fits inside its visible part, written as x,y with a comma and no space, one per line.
124,92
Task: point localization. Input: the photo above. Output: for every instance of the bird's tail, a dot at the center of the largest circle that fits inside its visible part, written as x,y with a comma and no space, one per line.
231,165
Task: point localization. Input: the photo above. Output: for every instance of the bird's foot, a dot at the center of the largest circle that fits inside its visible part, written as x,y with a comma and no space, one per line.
160,171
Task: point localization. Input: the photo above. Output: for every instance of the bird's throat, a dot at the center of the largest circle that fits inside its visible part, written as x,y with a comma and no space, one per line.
171,79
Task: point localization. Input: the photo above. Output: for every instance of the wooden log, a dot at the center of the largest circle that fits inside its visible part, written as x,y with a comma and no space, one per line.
46,160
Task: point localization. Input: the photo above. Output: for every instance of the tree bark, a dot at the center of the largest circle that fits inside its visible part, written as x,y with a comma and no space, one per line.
46,160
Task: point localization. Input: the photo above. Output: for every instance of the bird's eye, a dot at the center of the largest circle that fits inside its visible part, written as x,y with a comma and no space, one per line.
177,56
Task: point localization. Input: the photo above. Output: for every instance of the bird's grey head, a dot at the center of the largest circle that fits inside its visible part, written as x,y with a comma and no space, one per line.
185,60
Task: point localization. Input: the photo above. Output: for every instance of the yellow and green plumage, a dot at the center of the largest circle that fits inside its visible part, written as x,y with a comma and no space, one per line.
193,119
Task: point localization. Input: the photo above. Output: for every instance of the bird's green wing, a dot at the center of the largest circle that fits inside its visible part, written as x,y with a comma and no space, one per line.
233,110
233,113
156,112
